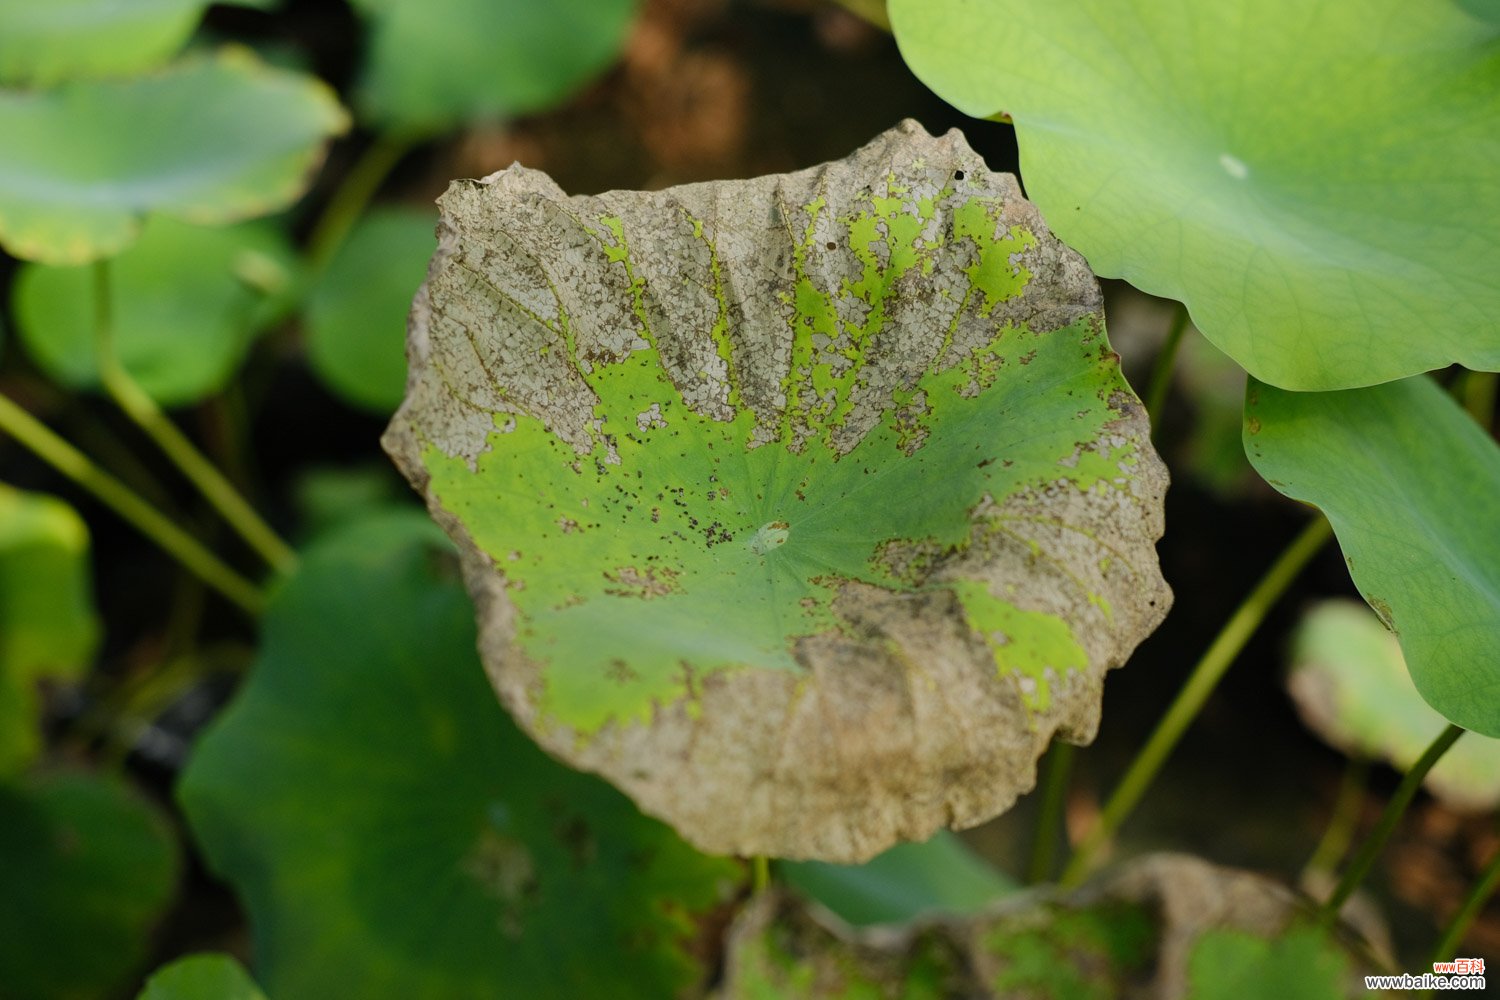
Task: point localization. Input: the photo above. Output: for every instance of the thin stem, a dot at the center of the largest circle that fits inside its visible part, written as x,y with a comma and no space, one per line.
1343,821
150,522
349,200
760,874
1200,684
870,11
1050,821
1464,918
1161,370
144,412
1365,857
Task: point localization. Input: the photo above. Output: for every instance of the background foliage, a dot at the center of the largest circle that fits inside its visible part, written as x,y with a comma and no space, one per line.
213,218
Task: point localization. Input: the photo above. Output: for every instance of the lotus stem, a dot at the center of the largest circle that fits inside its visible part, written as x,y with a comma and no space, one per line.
1161,369
144,412
1478,896
1050,819
146,519
1343,821
1364,859
872,12
351,198
1200,684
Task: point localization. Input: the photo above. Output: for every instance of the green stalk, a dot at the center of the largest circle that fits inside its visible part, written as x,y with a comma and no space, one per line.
1339,833
1364,859
1161,369
143,411
760,874
1050,821
1200,684
349,200
870,11
1453,937
150,522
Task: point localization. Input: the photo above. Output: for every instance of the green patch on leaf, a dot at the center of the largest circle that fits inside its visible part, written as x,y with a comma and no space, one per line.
48,627
437,65
1036,647
186,302
45,43
208,140
393,834
1351,685
356,316
1411,486
201,977
88,868
1314,181
745,458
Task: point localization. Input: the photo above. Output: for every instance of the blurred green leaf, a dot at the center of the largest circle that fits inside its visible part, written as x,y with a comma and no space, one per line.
201,977
208,140
1411,486
88,868
48,628
44,42
394,835
356,316
1302,964
187,301
1315,181
327,496
1071,954
434,66
1351,685
908,881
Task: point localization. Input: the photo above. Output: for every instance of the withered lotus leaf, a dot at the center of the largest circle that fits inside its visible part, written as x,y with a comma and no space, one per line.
806,509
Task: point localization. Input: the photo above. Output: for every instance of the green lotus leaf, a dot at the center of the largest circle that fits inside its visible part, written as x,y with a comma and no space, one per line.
201,977
804,508
208,140
48,628
1412,487
1315,182
1303,964
186,301
436,65
392,833
42,44
89,867
356,316
904,883
1351,686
